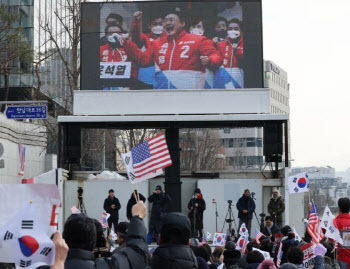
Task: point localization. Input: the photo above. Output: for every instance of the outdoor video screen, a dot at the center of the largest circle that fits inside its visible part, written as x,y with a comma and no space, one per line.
171,45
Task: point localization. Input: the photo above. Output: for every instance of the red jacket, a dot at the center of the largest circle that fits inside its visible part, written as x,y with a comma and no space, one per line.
107,54
138,36
231,58
343,223
180,53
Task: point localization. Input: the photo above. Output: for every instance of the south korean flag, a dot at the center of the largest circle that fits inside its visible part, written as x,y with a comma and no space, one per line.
23,240
298,183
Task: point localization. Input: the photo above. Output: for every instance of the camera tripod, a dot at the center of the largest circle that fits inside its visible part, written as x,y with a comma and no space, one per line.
81,205
229,220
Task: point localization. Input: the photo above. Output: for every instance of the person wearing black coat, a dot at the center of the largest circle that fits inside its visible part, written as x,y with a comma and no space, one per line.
112,206
288,241
196,206
246,207
132,202
135,254
270,229
160,200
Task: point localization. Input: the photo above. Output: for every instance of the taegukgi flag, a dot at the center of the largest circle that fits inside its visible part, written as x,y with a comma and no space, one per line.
22,238
298,183
297,236
219,239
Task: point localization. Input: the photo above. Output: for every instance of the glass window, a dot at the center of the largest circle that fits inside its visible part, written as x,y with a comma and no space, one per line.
230,142
251,142
259,142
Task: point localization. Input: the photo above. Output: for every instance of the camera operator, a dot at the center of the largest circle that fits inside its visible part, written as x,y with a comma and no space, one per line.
197,207
246,207
276,207
270,228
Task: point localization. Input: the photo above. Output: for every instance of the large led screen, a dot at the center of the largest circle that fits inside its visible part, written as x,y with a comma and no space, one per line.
171,45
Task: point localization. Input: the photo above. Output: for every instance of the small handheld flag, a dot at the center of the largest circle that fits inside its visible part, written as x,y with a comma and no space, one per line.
22,158
313,226
258,235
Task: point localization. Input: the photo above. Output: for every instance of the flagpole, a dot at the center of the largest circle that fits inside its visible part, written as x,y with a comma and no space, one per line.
138,193
133,190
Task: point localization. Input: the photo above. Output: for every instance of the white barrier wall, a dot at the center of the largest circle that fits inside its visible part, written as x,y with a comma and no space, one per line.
95,192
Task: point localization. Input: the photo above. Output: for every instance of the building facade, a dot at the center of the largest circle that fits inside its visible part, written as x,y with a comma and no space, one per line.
244,146
21,73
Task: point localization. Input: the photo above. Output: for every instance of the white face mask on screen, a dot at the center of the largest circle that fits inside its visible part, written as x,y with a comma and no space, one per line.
233,34
114,37
157,30
197,31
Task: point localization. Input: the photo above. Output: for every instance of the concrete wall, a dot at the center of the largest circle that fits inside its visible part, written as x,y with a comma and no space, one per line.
95,192
33,137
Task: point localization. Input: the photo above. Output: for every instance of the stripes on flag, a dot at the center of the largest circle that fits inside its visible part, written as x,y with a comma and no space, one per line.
279,255
22,157
314,225
150,156
258,235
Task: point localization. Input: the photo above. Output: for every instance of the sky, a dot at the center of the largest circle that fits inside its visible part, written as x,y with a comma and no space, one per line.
310,40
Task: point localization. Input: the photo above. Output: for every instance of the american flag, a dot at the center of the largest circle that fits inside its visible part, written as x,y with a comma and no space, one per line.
22,157
244,247
150,156
258,235
279,255
313,226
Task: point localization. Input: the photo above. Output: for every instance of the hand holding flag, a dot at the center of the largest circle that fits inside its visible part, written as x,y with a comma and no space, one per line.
258,235
313,226
329,224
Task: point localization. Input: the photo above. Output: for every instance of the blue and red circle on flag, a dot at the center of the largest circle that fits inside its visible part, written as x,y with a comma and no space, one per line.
28,245
302,182
241,242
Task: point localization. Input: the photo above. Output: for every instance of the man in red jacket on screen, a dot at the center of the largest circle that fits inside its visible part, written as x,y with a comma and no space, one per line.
180,57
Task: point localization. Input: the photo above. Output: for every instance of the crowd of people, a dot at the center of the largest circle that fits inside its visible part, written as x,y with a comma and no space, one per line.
84,245
176,49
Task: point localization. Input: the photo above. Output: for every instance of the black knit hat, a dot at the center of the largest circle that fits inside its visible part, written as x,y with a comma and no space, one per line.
197,190
176,221
158,187
123,229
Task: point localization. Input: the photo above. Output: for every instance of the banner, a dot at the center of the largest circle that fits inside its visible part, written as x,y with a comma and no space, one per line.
309,255
298,183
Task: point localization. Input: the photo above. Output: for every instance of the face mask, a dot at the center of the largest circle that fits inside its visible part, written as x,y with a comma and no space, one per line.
157,30
113,38
197,31
233,34
274,196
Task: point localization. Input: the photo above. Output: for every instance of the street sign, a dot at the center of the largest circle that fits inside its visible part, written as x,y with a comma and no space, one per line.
26,112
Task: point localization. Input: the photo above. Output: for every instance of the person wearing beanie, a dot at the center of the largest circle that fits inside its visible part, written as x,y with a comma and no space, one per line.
287,241
196,206
160,200
246,207
276,207
174,244
122,235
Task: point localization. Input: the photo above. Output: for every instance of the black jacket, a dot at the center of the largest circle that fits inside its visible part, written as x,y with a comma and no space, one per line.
131,203
107,207
274,230
134,255
199,213
79,258
173,257
160,202
245,203
287,243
